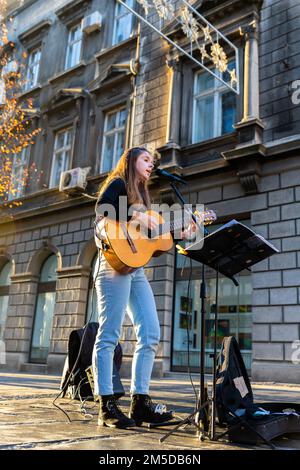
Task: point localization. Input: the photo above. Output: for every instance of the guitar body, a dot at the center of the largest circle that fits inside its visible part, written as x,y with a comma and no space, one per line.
128,247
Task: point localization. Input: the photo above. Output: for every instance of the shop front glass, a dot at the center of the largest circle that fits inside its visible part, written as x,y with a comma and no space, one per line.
234,314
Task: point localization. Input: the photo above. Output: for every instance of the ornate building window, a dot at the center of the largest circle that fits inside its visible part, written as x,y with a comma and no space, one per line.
214,107
73,54
92,307
18,179
33,68
113,139
63,147
41,334
123,22
5,274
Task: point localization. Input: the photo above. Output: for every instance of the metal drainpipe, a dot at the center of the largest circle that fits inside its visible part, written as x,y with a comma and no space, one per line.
133,94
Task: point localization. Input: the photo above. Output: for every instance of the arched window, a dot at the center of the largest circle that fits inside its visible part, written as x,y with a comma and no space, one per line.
5,274
44,311
92,308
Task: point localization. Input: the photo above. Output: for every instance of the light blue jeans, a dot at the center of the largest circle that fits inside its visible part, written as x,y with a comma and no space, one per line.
116,294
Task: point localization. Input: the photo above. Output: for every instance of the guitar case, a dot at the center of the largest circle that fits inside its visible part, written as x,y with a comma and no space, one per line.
248,422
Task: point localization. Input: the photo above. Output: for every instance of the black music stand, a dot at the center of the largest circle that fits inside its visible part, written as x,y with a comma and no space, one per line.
229,250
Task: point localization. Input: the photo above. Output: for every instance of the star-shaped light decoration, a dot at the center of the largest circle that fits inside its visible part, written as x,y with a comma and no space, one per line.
219,57
145,5
207,35
164,8
190,26
233,77
203,53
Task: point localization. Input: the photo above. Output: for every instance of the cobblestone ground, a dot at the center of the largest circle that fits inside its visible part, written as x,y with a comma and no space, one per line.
28,419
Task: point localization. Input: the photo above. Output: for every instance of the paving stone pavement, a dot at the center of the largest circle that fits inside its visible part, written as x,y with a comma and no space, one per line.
28,419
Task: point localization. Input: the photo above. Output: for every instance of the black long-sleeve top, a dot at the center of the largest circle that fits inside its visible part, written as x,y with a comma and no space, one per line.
110,196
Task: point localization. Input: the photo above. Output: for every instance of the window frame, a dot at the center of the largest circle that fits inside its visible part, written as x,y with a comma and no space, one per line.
26,151
63,150
115,131
116,20
71,43
89,299
29,85
216,92
4,293
42,288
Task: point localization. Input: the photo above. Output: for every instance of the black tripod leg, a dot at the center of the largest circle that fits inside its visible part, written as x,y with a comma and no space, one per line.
202,419
214,357
185,421
167,423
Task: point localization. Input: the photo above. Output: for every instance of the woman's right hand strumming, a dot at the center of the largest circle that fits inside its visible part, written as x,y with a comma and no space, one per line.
146,220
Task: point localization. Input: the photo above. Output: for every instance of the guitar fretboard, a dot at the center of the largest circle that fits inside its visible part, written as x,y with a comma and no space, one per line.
177,223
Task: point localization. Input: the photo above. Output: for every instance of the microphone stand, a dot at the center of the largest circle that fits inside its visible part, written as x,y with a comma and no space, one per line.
200,420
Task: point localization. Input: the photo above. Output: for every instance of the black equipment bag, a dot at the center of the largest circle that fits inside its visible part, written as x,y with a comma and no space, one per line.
248,422
79,385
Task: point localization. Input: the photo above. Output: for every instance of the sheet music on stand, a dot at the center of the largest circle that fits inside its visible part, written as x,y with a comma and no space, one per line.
230,249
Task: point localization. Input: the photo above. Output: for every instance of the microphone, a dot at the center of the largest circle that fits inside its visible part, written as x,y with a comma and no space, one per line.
166,174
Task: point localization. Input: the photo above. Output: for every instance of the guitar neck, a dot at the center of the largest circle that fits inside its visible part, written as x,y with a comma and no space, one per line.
171,226
181,221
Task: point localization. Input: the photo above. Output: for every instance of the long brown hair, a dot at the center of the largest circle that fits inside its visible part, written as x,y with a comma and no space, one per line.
137,191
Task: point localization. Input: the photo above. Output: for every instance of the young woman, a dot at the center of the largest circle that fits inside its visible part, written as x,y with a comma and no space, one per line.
117,293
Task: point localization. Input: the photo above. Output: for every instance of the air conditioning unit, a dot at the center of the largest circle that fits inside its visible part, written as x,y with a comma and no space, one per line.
92,22
11,67
74,181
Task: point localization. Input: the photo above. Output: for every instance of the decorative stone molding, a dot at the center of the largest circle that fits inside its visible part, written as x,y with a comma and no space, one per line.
251,72
249,174
175,96
247,160
75,70
170,156
72,11
87,254
114,50
249,131
73,271
33,36
24,277
5,257
249,150
37,260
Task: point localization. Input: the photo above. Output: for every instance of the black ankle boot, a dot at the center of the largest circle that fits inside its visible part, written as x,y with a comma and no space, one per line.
142,409
110,414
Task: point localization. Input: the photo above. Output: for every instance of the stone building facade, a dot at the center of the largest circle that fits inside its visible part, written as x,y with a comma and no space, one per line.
250,173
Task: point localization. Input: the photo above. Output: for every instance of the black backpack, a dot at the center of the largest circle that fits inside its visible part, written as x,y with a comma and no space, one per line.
77,386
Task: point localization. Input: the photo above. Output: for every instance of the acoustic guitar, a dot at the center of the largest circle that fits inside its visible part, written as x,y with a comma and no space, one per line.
128,246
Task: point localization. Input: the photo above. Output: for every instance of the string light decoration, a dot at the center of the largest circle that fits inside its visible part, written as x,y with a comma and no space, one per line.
206,45
15,126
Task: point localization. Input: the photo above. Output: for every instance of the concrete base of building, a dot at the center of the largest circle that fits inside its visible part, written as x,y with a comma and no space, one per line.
18,362
275,372
13,361
55,363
